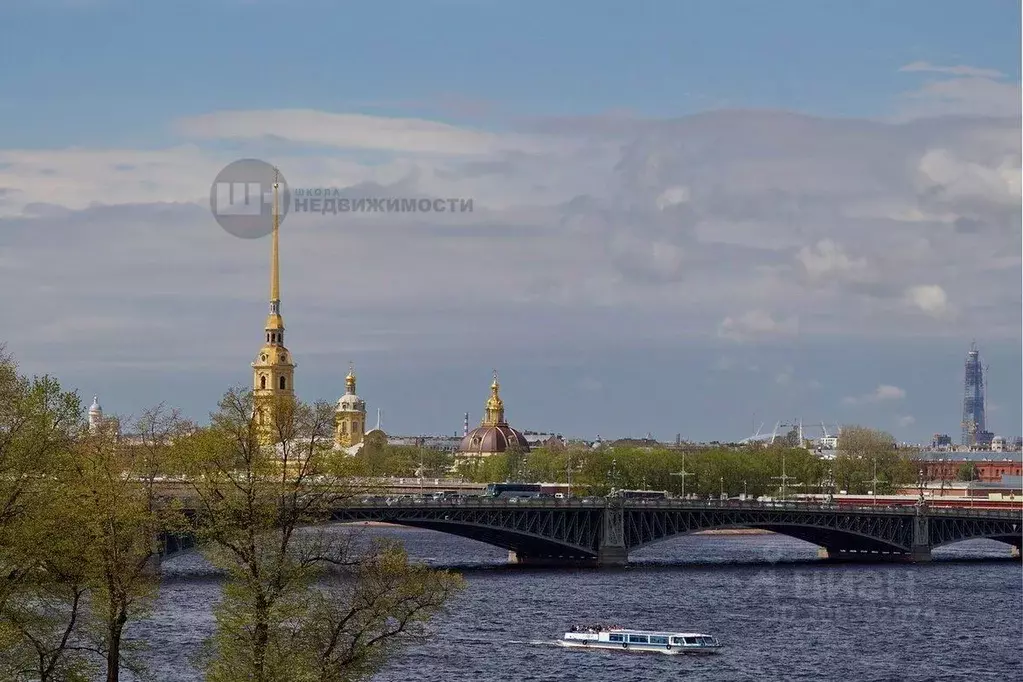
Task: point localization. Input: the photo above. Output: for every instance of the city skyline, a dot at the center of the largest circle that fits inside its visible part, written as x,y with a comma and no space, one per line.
686,221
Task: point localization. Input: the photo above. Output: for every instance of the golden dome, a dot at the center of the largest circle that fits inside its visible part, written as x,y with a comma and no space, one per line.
493,414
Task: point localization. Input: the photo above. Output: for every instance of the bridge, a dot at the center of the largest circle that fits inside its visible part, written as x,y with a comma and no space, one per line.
602,532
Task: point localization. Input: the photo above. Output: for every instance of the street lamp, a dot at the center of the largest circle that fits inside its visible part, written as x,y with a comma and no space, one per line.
613,474
744,495
722,479
422,472
682,474
920,485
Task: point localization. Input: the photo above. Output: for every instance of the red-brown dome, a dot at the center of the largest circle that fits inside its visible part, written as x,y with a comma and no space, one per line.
486,440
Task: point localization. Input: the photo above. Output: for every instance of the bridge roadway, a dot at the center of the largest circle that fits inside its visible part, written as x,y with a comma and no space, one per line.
602,532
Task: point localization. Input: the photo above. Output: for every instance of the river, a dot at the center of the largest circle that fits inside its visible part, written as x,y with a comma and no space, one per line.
781,613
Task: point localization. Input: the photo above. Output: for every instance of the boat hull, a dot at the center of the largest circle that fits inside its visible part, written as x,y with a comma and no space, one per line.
640,648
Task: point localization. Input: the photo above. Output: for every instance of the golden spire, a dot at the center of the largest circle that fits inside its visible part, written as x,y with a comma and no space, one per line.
350,379
274,321
493,414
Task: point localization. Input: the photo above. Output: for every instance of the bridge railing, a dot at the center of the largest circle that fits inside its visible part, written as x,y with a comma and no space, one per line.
599,502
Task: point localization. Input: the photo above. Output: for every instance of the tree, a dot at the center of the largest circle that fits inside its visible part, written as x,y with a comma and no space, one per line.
120,517
43,580
861,451
256,508
967,472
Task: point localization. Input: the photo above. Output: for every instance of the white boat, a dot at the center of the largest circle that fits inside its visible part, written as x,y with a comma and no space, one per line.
655,641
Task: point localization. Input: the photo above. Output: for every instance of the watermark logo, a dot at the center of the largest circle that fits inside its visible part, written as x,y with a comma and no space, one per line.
241,198
332,200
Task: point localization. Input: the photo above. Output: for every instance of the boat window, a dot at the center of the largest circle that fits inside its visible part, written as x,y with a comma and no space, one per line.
637,639
690,640
677,640
657,639
707,641
616,638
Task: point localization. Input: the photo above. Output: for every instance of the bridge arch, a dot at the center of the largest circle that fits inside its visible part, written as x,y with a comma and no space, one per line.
826,538
522,543
533,535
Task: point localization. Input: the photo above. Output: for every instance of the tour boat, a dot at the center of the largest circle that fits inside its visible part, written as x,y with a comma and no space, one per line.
656,641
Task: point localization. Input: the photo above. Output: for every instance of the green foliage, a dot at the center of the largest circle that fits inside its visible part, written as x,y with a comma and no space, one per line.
285,614
755,469
861,452
80,513
404,461
967,472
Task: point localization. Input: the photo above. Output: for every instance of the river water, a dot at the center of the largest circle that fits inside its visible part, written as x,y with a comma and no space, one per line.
780,612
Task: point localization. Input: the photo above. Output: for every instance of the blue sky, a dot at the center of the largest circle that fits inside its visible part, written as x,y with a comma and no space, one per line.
654,242
111,72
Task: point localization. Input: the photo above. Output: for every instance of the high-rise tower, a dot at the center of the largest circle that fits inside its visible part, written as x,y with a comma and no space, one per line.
974,418
273,372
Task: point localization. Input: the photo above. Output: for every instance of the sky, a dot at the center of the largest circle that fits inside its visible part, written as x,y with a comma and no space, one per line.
688,217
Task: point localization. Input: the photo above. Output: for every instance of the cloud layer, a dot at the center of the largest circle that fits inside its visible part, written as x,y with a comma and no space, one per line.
733,227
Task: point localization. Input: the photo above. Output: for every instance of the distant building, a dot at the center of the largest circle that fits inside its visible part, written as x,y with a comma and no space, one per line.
442,443
975,433
100,424
349,415
536,439
947,466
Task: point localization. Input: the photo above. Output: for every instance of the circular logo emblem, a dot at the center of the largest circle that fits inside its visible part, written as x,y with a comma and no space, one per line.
242,198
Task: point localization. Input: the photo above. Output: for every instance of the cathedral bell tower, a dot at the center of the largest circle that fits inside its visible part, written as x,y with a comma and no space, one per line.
350,415
273,372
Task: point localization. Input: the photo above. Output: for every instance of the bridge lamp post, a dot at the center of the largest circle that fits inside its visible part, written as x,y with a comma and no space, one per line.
722,480
744,495
920,485
873,483
682,474
422,472
784,478
613,475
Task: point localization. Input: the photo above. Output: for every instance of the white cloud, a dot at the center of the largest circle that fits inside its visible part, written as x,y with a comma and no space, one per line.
754,324
354,131
964,91
953,70
771,232
883,393
672,197
905,421
930,298
827,258
955,178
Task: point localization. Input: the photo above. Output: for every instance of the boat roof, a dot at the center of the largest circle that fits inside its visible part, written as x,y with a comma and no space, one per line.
665,633
631,631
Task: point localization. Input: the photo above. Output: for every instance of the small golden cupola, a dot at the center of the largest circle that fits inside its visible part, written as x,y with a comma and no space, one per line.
493,415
